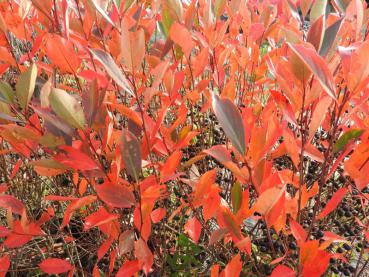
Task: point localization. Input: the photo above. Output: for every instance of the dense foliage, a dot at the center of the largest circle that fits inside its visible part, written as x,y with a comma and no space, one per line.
165,137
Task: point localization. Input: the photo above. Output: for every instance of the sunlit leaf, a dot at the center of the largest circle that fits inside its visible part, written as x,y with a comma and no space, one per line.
67,108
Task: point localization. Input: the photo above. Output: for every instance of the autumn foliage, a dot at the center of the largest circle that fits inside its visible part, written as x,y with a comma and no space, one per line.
184,138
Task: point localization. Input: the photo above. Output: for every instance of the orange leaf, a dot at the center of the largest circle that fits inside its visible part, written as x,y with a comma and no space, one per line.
297,231
233,268
268,199
180,35
193,229
61,53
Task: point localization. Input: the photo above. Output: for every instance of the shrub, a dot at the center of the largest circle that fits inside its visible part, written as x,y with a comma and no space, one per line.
184,138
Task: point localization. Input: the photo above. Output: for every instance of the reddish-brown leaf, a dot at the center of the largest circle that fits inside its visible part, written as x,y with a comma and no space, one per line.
231,121
131,153
144,255
126,242
268,199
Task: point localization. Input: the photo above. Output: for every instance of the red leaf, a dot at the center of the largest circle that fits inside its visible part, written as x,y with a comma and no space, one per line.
118,196
221,154
100,217
316,33
128,269
104,247
4,265
333,202
283,271
55,266
317,65
75,159
158,214
214,271
10,202
75,205
16,169
226,219
193,229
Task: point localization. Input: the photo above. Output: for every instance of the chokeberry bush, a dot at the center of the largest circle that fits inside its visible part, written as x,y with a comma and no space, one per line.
184,138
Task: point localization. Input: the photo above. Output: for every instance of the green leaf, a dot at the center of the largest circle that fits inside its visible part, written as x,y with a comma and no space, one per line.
131,153
67,108
236,196
346,138
26,86
231,121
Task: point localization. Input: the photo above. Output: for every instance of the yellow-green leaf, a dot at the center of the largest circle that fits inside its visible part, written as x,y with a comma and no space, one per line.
346,138
236,196
26,86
